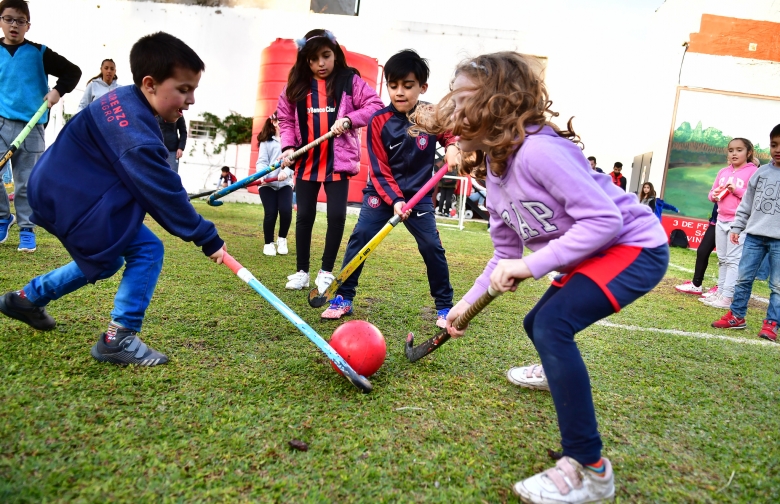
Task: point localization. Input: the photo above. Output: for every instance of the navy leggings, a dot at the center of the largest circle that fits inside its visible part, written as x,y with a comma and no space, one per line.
551,325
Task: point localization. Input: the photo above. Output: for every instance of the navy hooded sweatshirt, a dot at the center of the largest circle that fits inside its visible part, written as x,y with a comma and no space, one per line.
108,168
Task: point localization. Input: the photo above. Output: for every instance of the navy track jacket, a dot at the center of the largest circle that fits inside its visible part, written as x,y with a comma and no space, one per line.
107,169
400,164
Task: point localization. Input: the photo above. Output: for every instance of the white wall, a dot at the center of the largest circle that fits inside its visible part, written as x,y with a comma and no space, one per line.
612,64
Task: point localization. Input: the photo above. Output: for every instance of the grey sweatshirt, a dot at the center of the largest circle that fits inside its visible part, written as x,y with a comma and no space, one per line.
759,212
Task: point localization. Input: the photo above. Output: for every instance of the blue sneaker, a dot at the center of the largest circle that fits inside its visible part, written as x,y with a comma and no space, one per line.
5,225
338,308
26,240
441,317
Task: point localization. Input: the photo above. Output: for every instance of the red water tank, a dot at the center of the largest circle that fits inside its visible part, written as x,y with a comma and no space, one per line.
276,60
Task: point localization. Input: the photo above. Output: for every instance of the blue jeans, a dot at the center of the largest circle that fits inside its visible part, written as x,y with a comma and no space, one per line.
143,259
753,252
551,325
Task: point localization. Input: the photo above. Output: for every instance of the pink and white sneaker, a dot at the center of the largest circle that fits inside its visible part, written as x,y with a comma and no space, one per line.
688,288
338,308
713,291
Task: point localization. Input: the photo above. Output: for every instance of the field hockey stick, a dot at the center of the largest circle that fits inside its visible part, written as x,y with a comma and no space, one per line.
357,380
317,299
207,193
415,353
265,171
26,131
263,182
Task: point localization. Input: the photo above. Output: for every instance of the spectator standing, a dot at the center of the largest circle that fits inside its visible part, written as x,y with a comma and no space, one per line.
617,177
174,138
592,161
277,196
727,190
100,84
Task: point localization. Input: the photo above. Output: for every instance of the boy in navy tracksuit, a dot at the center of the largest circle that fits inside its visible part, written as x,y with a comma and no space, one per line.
400,166
24,84
109,165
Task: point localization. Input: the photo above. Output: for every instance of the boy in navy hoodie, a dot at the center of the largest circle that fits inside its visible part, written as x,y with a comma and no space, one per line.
110,167
400,166
24,84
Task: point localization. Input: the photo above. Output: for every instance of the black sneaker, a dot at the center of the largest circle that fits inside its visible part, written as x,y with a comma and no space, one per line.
129,350
15,306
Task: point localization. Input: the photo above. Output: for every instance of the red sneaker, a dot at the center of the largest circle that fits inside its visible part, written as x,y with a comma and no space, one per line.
768,331
729,321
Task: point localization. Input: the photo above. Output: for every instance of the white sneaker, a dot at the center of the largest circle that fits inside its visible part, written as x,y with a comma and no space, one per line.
297,281
323,281
567,482
688,288
532,377
713,291
709,299
269,249
281,246
721,302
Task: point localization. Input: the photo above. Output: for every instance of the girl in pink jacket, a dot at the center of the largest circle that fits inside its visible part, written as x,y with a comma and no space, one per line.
322,94
727,190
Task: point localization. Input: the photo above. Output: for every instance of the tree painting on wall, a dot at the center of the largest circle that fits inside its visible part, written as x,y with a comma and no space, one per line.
704,124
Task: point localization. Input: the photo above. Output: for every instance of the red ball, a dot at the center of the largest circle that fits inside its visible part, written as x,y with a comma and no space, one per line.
361,344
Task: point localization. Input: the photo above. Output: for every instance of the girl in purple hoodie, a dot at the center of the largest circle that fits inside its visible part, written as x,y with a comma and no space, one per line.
322,93
609,249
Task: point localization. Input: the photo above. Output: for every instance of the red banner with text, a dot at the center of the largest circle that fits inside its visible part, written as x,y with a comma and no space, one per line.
693,228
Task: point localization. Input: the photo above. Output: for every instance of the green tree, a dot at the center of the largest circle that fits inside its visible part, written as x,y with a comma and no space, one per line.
235,129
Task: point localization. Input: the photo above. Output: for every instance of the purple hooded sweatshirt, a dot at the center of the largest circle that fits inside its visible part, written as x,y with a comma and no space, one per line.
550,201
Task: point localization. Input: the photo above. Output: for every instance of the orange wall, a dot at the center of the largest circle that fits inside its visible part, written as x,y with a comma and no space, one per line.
726,36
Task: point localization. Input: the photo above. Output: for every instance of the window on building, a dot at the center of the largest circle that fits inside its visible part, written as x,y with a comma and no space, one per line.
343,7
202,129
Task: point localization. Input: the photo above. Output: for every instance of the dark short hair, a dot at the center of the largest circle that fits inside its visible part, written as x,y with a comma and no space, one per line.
20,5
226,168
405,62
159,54
619,164
591,158
775,132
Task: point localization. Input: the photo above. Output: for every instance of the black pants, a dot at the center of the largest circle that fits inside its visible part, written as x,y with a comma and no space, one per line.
307,212
445,193
276,202
706,247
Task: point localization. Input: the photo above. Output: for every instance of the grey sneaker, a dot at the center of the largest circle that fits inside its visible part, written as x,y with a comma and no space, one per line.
567,482
130,350
15,306
532,377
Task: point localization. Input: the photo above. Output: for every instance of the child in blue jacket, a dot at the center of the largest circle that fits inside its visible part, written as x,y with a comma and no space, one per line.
110,166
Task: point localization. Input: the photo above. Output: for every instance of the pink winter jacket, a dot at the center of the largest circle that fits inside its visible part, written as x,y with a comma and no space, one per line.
727,207
359,107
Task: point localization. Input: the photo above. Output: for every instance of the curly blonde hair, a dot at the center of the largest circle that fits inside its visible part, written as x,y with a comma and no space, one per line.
509,95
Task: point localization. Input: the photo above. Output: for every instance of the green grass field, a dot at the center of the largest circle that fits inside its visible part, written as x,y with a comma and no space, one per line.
679,415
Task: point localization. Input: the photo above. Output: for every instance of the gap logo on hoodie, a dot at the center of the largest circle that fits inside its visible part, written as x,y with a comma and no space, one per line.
540,212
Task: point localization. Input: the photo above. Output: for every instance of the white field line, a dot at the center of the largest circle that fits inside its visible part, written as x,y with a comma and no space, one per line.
688,270
675,332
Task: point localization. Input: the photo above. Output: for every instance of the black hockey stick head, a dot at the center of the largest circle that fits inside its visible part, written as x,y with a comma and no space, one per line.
315,300
415,353
360,382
